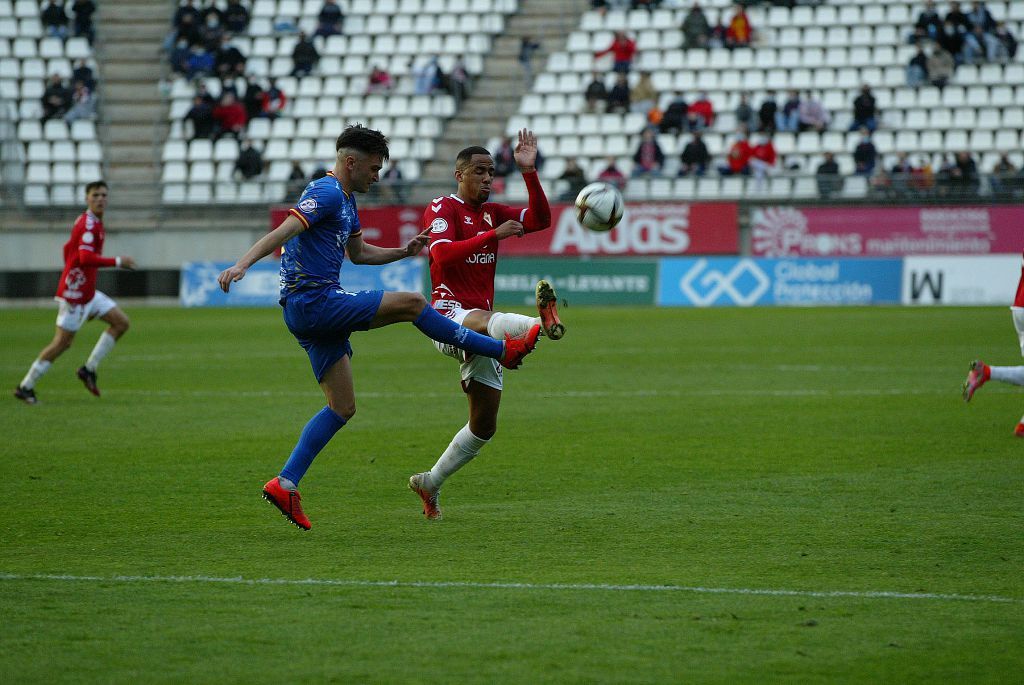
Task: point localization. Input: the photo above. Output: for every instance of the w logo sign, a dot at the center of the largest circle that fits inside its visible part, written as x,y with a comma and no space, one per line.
743,284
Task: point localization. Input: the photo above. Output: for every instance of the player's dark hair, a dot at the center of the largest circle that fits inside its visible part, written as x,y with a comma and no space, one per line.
466,154
365,140
94,185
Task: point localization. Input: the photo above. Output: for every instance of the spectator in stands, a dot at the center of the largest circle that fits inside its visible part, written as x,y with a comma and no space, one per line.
763,159
200,63
917,69
304,57
957,18
55,20
738,159
623,50
428,76
880,184
929,21
766,114
83,72
329,21
865,155
952,41
212,33
922,179
902,175
56,98
274,101
788,119
865,111
527,48
1008,43
701,113
187,9
618,96
504,164
83,104
716,39
979,16
596,94
210,7
827,175
229,117
204,92
812,115
674,118
252,100
695,157
1005,178
459,81
612,174
648,159
965,179
643,97
980,46
944,178
739,33
318,173
249,163
179,57
190,30
229,60
696,29
940,67
200,117
236,17
379,81
574,178
297,182
744,113
83,11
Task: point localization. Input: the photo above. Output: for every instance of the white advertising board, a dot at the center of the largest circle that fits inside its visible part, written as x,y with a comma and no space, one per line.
983,280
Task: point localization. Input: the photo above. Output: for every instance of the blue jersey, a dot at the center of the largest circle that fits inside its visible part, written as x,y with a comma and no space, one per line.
312,259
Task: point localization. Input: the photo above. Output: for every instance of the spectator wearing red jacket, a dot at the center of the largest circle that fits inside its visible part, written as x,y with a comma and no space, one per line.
739,33
763,160
701,113
229,117
738,159
623,49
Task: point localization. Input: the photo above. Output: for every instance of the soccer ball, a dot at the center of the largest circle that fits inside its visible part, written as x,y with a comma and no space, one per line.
599,206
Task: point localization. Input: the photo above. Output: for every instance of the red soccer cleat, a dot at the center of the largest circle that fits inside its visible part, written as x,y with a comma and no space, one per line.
288,501
1019,430
88,379
418,484
976,377
517,348
547,307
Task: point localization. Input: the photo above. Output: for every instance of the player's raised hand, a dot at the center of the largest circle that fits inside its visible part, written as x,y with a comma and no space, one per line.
230,275
526,151
509,229
127,263
415,245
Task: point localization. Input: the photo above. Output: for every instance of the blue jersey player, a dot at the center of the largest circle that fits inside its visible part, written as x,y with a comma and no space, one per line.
319,231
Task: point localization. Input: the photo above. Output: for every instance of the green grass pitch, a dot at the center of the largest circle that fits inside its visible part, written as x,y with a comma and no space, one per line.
779,470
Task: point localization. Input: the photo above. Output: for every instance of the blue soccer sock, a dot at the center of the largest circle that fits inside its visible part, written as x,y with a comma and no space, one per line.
317,433
447,331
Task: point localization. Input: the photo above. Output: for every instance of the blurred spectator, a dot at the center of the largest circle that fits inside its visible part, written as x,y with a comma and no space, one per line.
673,119
1005,178
623,50
788,119
767,112
738,159
596,94
274,100
393,181
952,41
179,57
716,38
329,21
83,72
643,97
695,157
83,104
865,155
380,81
504,163
56,98
739,33
210,8
575,180
191,30
929,20
428,77
701,113
980,17
252,100
304,57
297,182
236,17
940,67
212,33
612,174
975,48
648,159
55,20
83,11
229,117
744,113
250,162
618,96
921,177
812,115
204,92
200,116
828,178
957,18
763,160
965,175
902,175
527,47
944,177
1007,41
917,69
695,28
200,63
880,184
458,80
865,112
186,9
318,173
229,61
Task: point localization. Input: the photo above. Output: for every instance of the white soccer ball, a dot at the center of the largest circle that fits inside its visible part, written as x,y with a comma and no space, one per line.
599,206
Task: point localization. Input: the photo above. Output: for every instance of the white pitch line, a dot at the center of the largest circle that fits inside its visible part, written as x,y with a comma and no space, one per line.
579,587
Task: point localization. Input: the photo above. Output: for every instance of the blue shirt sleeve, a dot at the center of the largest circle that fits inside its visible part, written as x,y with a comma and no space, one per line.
317,201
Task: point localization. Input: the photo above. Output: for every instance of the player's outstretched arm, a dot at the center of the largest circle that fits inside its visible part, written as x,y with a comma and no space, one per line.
288,229
360,252
538,215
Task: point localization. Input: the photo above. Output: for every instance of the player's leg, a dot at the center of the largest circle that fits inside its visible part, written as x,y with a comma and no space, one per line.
69,319
117,325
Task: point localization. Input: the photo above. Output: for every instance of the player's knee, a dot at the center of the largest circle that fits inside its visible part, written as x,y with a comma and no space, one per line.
121,326
345,410
415,302
484,428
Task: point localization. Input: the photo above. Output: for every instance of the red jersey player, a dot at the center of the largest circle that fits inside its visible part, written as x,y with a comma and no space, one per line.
980,372
78,298
465,230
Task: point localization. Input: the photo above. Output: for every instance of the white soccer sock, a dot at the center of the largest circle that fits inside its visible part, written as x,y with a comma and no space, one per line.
38,368
1008,374
103,347
463,448
515,325
1018,323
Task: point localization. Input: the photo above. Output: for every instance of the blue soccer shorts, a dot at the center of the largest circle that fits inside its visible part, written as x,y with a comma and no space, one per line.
322,321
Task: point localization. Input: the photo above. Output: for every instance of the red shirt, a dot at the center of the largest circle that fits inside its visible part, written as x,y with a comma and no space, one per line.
765,152
82,258
230,117
739,155
622,50
705,110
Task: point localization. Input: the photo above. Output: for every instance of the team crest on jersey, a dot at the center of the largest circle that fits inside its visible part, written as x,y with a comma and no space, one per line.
438,225
88,238
487,219
307,205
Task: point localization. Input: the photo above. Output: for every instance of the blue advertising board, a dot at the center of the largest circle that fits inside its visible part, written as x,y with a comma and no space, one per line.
735,282
259,288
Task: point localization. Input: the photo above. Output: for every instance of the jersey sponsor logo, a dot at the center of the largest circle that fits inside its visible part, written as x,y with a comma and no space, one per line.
307,205
482,258
438,225
88,237
75,278
468,220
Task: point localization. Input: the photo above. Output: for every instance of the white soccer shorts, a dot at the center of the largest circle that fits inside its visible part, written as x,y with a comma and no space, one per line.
1018,323
480,369
70,317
